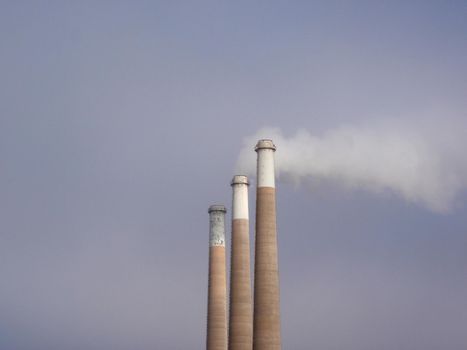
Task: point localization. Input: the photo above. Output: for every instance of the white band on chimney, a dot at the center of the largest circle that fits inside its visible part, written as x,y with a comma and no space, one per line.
240,197
265,165
217,225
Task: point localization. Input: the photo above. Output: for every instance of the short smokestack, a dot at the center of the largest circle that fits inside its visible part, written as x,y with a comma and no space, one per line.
266,324
241,313
217,288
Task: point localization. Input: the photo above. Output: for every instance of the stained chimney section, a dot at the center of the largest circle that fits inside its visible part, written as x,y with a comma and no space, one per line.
241,313
217,289
266,324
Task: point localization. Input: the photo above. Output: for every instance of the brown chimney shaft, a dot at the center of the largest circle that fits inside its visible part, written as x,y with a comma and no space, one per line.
217,289
266,324
241,313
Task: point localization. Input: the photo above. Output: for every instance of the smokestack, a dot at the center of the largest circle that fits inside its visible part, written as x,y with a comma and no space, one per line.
241,318
266,324
217,290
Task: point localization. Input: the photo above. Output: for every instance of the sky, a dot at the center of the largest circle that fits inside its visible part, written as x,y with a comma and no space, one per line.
122,121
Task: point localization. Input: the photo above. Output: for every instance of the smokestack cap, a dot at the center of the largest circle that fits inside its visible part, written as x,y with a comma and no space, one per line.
265,144
217,207
240,180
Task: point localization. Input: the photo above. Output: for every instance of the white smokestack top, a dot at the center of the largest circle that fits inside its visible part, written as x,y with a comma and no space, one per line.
265,164
217,225
240,197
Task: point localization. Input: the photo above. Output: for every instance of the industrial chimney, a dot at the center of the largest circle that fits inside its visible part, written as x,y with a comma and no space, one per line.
266,324
217,289
241,317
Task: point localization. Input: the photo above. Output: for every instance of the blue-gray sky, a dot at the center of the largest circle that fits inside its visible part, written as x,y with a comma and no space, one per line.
121,122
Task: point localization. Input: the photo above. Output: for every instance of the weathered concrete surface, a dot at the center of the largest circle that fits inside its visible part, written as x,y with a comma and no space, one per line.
216,338
266,330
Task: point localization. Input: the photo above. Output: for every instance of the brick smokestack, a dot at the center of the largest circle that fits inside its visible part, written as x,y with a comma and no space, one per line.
217,290
241,313
266,324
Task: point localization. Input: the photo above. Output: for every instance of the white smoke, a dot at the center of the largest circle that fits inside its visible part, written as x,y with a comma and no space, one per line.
421,167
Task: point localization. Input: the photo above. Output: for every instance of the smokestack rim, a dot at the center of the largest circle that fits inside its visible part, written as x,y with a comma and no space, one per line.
239,180
217,207
265,144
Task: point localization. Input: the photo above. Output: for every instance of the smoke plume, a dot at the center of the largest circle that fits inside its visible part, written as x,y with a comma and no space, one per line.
422,167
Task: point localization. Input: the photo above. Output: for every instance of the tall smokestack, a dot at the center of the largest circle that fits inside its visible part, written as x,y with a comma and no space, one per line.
266,324
241,317
217,290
